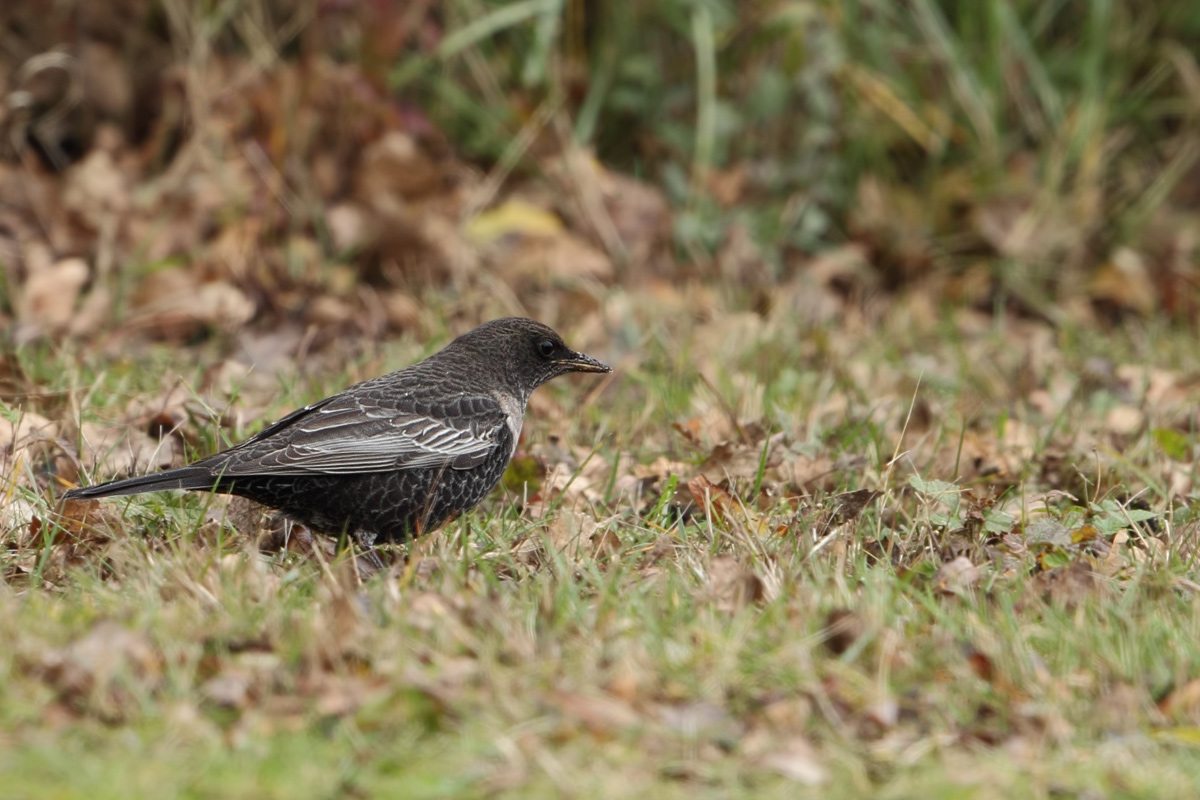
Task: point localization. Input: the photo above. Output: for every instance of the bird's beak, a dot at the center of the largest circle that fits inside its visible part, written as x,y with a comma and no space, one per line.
578,362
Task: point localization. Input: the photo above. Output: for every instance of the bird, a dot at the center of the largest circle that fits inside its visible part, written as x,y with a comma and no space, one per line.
396,456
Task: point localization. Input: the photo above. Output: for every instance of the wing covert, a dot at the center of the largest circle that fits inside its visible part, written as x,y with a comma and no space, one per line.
349,434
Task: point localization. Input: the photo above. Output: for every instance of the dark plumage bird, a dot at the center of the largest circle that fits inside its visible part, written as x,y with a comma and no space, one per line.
395,456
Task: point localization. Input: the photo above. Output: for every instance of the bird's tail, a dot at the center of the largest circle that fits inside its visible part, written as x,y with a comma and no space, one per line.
190,477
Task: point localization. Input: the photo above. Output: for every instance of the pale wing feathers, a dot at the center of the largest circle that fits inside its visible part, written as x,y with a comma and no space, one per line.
345,439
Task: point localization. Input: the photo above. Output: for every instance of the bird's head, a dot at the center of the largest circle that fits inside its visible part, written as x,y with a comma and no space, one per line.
527,352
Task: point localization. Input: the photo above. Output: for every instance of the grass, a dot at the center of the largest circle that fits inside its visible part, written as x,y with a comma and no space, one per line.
968,567
699,652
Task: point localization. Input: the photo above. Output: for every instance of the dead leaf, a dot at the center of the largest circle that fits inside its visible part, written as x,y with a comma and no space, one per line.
122,451
843,628
788,714
568,532
700,720
957,576
350,227
631,217
173,303
599,714
47,300
513,219
1070,585
797,760
849,505
402,310
742,461
563,260
230,689
733,586
26,429
1182,704
1125,282
606,544
741,259
96,188
395,169
1020,227
104,671
1124,420
339,695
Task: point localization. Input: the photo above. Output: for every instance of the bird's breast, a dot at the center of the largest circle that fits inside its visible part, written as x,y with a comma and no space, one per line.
514,413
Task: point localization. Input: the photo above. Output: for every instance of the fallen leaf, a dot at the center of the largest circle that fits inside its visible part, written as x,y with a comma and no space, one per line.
513,218
599,714
230,689
48,298
121,451
104,671
1124,420
797,760
1182,704
394,168
843,628
957,576
742,461
1069,585
606,544
1125,282
849,505
173,303
733,586
699,720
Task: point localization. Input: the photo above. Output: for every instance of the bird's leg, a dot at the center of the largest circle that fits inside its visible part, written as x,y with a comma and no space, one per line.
368,559
464,536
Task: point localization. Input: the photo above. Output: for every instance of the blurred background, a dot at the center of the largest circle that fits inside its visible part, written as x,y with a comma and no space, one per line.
171,170
896,481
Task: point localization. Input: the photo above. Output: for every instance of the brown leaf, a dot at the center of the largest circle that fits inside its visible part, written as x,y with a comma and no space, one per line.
741,461
849,505
559,260
797,760
981,665
339,695
1069,585
104,670
599,714
232,688
569,532
606,544
173,303
632,218
712,498
1124,420
733,586
350,227
699,720
47,300
843,628
85,520
394,169
96,188
27,429
122,451
1125,282
957,576
1183,703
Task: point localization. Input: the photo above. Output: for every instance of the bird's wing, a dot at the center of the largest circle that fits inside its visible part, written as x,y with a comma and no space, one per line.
346,434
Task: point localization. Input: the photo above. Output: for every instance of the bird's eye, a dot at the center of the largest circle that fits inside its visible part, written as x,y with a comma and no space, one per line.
546,348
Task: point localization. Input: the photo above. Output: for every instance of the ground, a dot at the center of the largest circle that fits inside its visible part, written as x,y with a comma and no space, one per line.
900,506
